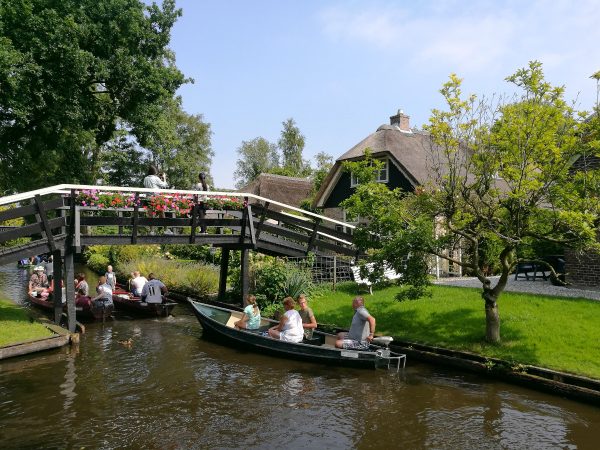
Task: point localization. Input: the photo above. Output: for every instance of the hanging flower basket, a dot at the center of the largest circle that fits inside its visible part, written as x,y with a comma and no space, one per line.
94,197
221,202
180,204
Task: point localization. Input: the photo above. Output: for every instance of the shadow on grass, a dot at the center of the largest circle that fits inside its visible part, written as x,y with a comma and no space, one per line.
10,311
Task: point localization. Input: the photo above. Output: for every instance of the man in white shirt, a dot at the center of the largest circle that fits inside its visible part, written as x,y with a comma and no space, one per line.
153,290
137,283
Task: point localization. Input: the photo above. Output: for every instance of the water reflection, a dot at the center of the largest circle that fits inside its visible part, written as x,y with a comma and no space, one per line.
171,389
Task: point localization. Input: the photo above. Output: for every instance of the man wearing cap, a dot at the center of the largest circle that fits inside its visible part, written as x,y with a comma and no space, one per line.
38,281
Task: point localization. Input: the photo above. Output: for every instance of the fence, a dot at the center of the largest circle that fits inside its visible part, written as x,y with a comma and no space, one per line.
326,269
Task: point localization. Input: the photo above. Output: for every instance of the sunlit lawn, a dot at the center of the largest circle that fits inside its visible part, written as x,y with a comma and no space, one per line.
16,326
551,332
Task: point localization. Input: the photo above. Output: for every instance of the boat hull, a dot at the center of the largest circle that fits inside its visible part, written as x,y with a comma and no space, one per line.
125,301
215,329
83,313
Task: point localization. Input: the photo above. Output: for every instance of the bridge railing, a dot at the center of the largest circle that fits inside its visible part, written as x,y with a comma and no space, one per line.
258,222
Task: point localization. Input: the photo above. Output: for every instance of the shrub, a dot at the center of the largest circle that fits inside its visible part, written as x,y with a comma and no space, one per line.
122,253
195,252
297,281
98,262
187,277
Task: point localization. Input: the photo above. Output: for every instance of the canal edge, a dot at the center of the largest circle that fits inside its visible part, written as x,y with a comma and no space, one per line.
574,387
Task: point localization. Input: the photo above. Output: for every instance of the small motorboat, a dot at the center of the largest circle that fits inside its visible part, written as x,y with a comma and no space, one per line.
218,324
85,309
125,300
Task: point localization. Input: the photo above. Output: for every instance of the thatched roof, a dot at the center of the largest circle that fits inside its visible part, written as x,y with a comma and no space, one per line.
288,190
410,151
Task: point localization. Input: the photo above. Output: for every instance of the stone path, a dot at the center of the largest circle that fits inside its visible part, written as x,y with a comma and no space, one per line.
530,287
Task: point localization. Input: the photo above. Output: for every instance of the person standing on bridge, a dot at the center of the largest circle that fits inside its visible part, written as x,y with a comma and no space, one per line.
202,185
153,181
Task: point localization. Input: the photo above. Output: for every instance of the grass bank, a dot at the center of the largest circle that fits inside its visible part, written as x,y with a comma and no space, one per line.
552,332
16,325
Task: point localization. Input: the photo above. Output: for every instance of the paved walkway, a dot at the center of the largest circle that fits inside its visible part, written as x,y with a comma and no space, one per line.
530,287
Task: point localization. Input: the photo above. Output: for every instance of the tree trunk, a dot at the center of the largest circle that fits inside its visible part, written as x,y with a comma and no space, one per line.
492,318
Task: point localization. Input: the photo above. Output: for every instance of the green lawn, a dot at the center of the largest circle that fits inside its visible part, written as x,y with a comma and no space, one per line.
551,332
16,325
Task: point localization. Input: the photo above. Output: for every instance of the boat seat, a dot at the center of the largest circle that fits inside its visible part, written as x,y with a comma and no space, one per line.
383,341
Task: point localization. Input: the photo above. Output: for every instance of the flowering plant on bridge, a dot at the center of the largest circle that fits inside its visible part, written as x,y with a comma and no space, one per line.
93,197
180,204
224,202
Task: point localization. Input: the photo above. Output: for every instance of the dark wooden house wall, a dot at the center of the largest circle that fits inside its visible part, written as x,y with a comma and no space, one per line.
342,189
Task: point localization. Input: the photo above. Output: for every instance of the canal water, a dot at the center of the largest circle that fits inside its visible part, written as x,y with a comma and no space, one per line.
170,389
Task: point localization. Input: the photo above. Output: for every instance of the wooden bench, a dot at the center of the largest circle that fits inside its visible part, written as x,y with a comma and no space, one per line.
388,274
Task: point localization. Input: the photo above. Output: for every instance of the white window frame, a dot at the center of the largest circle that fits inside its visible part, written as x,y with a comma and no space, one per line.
386,169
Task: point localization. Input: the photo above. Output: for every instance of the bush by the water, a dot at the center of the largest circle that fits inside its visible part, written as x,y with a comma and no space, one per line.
98,262
192,278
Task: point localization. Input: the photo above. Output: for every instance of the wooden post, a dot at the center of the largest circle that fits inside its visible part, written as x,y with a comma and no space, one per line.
245,273
70,288
223,274
57,278
334,271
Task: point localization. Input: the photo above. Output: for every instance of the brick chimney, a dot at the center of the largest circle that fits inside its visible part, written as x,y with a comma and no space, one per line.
401,120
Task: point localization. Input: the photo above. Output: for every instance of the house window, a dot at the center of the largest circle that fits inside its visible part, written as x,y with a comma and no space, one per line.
381,176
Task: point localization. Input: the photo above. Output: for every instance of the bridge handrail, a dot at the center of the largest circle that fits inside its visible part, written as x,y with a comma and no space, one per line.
66,189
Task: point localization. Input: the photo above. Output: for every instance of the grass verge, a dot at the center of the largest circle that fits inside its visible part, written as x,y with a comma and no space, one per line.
17,326
553,332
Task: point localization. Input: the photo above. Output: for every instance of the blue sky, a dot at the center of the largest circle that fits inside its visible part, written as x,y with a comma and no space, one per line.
341,68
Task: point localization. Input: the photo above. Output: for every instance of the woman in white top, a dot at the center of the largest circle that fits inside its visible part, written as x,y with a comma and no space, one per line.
290,326
153,181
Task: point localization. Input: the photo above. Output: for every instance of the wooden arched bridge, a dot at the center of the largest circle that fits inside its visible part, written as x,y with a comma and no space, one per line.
62,219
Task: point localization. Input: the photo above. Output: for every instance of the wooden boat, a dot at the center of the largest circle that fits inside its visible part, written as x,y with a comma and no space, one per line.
83,312
125,300
217,324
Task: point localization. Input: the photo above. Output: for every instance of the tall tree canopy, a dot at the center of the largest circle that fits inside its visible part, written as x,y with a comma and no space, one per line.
255,157
291,145
502,173
260,156
70,70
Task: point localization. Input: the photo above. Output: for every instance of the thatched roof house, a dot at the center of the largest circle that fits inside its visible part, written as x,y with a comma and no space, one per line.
405,153
288,190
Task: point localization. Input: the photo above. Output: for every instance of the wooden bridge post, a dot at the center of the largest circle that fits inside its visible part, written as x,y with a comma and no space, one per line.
70,288
223,274
57,279
245,273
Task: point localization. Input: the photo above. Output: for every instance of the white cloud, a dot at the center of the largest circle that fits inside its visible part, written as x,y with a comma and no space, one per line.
473,36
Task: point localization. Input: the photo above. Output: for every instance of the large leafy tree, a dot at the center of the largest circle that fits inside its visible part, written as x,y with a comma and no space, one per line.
181,146
500,172
70,70
291,145
255,157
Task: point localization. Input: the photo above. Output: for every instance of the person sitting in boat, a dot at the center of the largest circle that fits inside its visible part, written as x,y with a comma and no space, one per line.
153,290
309,322
111,277
137,283
251,318
290,326
38,282
82,299
104,291
81,284
361,330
